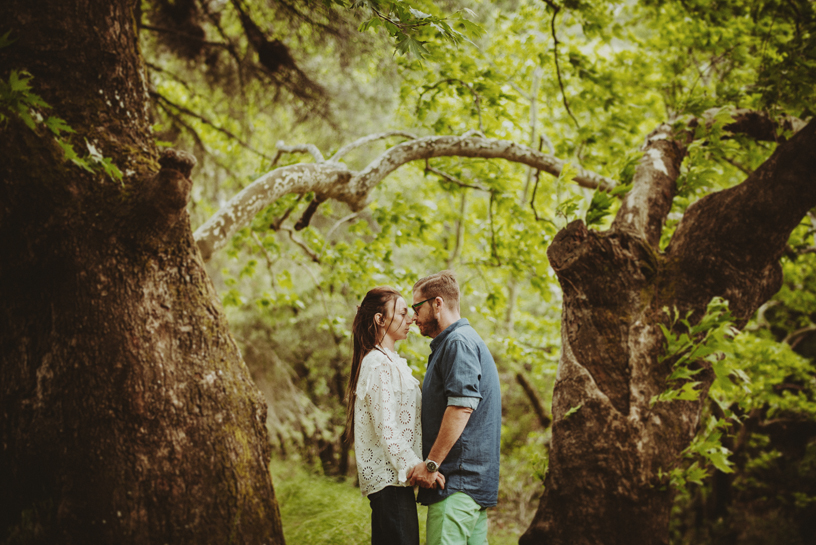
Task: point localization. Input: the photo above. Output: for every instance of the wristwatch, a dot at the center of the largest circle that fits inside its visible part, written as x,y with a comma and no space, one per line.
431,466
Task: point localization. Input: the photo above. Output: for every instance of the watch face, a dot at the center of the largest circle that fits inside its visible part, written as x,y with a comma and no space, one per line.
431,465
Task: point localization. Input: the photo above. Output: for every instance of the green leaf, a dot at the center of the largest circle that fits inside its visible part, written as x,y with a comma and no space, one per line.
19,81
58,126
6,40
419,14
25,115
568,207
567,174
688,393
601,204
572,411
719,459
695,474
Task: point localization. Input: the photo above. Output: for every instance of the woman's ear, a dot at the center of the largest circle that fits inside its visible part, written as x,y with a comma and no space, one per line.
378,320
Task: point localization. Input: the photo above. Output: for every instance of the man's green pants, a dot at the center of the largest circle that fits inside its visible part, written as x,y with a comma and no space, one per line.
456,520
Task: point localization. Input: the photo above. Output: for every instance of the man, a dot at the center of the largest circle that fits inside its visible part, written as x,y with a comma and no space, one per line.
461,418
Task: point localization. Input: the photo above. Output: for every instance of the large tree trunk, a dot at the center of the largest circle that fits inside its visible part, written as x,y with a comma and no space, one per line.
126,412
603,483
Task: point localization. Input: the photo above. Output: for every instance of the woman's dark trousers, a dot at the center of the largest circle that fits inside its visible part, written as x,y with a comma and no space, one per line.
394,516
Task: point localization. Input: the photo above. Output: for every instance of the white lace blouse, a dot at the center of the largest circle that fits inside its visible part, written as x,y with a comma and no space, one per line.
387,427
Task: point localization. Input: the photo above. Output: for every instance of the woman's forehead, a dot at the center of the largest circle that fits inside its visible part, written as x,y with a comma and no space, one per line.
400,304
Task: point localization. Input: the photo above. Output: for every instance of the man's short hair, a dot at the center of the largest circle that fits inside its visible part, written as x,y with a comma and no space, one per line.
442,284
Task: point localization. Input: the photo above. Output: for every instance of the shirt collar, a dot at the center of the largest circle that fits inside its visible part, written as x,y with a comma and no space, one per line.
442,336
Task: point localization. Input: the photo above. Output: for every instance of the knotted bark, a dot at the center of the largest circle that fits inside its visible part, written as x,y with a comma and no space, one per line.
604,483
126,412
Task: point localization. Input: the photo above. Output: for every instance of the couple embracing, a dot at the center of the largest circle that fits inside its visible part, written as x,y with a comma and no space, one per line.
444,438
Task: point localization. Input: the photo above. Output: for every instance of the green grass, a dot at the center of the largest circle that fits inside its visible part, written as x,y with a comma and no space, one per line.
318,510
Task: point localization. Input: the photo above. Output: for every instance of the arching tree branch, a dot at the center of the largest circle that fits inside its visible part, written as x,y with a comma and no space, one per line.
646,206
484,148
368,139
747,228
330,179
311,149
649,201
334,180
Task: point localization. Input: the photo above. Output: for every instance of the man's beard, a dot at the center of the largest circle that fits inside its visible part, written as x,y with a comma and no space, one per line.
430,328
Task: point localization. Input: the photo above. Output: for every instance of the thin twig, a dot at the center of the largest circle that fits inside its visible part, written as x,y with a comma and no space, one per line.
533,116
215,19
313,256
492,230
198,140
183,35
203,119
548,349
451,179
311,149
367,139
460,231
796,337
323,298
535,400
737,165
537,177
173,76
269,261
334,227
398,24
275,225
556,9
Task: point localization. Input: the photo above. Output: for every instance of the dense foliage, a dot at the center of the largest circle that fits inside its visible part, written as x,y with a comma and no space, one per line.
584,81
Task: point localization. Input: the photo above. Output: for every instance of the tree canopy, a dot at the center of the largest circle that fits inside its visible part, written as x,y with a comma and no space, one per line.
377,141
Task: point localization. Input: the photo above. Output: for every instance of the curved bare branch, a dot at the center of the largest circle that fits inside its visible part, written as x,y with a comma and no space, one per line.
311,149
368,139
645,207
329,179
332,180
484,148
758,125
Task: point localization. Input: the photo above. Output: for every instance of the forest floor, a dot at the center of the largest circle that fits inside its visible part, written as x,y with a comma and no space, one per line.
319,510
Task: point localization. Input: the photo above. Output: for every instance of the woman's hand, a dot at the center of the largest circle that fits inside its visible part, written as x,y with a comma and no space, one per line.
419,475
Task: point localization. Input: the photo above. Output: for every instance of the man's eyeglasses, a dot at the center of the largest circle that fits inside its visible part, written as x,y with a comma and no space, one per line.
415,306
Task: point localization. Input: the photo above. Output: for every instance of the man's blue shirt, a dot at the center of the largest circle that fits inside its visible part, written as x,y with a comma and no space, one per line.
461,372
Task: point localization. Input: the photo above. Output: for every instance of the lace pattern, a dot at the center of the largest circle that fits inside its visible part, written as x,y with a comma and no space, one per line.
387,421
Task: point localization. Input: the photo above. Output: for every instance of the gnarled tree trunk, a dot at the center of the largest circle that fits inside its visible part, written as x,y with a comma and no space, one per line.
126,412
603,484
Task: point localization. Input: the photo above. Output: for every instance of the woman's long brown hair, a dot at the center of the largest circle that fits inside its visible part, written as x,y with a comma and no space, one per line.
365,334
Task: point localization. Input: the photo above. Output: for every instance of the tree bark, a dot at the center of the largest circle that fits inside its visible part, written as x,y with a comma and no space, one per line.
603,484
128,415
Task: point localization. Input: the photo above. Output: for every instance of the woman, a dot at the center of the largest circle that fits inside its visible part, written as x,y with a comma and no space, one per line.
383,417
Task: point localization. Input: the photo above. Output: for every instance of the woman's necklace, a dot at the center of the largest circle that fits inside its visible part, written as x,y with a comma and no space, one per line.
385,351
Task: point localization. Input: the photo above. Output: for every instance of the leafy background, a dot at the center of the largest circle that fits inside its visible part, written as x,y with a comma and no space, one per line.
585,81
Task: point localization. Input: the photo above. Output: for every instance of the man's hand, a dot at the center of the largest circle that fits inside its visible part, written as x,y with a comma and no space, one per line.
419,475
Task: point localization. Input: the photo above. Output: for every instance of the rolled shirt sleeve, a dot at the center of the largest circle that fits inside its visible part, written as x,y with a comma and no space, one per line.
462,375
467,402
